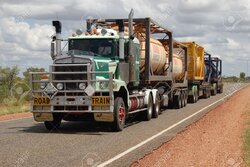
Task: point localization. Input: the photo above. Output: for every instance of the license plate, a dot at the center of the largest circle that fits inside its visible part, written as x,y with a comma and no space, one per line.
105,117
71,103
100,101
41,101
41,117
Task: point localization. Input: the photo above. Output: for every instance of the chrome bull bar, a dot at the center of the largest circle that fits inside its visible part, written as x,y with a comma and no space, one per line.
80,101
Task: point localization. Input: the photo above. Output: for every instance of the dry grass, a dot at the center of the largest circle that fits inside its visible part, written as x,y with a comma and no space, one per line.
247,140
10,106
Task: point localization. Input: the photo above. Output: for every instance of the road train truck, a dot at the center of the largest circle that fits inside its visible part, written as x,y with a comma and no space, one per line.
117,68
204,73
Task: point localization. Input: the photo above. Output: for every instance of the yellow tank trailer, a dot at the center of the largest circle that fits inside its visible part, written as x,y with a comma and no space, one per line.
195,61
196,72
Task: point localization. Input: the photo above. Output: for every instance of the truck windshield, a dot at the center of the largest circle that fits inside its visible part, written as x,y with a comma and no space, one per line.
93,47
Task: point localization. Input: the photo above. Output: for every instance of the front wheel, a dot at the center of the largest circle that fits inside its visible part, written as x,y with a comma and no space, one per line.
119,114
55,124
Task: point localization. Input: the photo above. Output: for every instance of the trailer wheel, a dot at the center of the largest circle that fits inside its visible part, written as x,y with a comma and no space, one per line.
182,99
214,89
119,114
192,97
177,101
186,98
157,105
206,93
220,90
196,94
55,124
147,115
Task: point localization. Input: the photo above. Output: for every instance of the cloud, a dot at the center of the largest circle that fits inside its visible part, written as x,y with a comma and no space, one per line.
222,27
21,43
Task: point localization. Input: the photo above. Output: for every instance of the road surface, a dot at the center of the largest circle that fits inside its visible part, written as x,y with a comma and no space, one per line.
25,142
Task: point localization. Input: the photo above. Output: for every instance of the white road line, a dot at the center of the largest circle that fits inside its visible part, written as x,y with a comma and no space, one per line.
163,131
15,119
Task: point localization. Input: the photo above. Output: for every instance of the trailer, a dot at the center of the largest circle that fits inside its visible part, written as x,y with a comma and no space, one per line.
213,74
198,86
117,68
204,73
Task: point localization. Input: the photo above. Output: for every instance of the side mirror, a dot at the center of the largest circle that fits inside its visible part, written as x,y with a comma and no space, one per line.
53,50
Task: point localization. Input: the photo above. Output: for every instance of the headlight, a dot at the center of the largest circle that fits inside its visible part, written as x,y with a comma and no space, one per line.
82,86
59,86
103,85
42,85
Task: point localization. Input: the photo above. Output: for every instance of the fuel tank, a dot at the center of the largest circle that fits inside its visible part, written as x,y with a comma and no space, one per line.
159,59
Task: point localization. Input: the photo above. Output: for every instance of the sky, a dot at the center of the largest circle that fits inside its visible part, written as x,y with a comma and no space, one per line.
221,26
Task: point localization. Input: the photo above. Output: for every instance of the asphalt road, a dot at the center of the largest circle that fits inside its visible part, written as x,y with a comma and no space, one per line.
25,142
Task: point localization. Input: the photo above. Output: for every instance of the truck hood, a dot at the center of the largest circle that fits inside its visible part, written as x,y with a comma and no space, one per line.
100,64
103,64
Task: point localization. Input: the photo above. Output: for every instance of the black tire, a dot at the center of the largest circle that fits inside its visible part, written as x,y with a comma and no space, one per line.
55,124
157,106
206,93
196,95
220,90
191,97
209,93
147,115
186,98
177,101
214,89
182,99
119,115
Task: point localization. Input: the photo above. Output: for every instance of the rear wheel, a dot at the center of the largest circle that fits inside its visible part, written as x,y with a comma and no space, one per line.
196,94
119,114
157,105
209,92
55,124
147,115
220,90
177,101
214,89
186,98
192,97
182,99
206,93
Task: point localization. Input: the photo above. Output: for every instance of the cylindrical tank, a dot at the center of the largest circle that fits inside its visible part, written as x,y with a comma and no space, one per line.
159,59
178,68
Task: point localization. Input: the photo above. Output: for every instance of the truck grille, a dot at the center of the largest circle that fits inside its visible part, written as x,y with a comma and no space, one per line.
70,76
70,69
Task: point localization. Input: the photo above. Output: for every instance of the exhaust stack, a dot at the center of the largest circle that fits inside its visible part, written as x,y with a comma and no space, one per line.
121,38
58,27
132,73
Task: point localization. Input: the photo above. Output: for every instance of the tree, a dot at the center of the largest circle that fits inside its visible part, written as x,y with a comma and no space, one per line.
31,69
8,76
242,76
